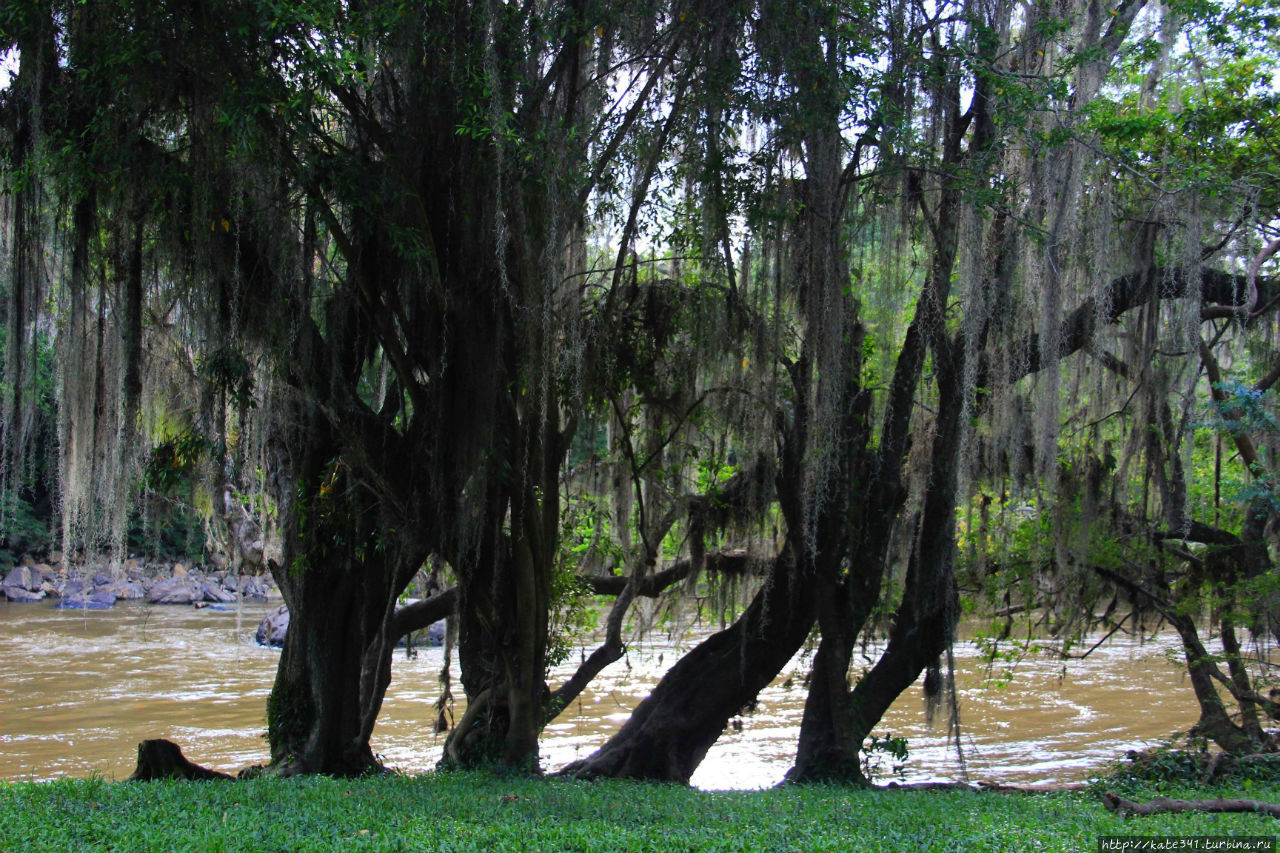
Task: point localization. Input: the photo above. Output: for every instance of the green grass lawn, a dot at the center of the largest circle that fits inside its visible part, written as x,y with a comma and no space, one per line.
476,811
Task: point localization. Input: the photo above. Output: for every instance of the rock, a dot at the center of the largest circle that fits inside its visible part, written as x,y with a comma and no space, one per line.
55,557
252,587
22,577
99,599
179,570
45,572
22,596
73,586
272,628
127,590
103,579
210,591
173,590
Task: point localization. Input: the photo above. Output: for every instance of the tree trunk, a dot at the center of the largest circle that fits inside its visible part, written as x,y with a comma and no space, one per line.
505,586
670,732
837,720
345,563
325,694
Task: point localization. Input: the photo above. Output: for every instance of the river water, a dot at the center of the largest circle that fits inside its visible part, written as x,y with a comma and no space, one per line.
79,690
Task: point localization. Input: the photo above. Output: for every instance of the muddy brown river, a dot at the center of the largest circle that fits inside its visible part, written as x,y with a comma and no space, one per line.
78,690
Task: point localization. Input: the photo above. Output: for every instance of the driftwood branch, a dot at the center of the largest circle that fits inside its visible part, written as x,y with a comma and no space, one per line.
1160,805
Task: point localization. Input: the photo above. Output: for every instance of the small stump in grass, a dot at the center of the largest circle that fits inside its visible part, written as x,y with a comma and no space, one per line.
162,759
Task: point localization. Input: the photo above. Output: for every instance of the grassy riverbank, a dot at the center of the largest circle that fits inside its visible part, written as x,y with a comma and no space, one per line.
457,812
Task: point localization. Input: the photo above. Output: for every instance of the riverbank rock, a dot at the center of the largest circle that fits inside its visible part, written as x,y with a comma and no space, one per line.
272,628
22,585
22,596
252,587
211,591
98,599
71,586
30,577
19,576
174,590
434,635
157,583
130,590
22,577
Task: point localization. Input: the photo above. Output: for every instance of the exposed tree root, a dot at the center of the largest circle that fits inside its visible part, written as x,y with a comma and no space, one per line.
162,759
1160,805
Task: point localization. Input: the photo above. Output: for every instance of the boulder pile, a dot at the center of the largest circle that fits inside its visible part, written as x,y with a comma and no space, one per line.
97,588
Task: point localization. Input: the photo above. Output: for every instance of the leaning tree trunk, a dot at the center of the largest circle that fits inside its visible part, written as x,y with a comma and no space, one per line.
670,732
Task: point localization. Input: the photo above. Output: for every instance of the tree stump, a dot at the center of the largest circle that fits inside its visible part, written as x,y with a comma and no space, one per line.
162,759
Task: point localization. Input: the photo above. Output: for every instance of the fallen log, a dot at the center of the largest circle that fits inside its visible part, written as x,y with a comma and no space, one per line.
977,787
1160,805
163,759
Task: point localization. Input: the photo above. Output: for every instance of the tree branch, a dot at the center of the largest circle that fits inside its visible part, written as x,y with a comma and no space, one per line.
422,614
1161,805
726,562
